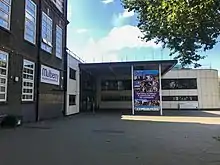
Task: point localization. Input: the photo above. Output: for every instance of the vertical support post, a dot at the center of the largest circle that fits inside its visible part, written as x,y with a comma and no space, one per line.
132,88
38,63
161,101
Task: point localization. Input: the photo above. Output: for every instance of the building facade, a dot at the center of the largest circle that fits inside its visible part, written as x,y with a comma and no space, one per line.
219,86
109,85
73,85
32,58
185,89
191,89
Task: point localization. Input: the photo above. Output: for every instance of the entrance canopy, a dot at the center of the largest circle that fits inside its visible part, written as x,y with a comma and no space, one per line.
124,68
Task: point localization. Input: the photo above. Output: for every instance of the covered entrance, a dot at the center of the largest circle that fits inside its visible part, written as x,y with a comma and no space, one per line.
109,86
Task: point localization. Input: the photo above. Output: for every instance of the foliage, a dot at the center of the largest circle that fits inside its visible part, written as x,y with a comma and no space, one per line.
186,27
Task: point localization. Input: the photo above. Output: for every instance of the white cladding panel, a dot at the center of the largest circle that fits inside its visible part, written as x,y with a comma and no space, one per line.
73,86
207,88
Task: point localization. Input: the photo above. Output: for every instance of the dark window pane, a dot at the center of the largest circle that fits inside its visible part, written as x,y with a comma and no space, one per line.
116,98
179,83
72,99
28,84
116,85
2,71
180,98
127,85
72,74
2,81
29,71
2,89
2,96
25,76
27,91
27,97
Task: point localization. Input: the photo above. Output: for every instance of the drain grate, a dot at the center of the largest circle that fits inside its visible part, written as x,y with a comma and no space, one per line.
108,131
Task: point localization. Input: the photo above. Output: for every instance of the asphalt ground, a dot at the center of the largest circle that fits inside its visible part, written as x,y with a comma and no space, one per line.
180,138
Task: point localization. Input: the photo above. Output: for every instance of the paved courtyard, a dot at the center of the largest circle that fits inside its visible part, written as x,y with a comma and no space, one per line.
113,139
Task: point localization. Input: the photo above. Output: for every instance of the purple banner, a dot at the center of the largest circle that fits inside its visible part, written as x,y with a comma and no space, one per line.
146,90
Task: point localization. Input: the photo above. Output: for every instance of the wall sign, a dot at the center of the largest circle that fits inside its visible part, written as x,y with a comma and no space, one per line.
50,75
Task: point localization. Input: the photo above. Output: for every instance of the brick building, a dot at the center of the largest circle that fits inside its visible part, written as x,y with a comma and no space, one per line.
33,58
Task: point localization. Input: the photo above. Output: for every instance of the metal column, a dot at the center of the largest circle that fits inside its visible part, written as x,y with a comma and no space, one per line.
132,82
161,101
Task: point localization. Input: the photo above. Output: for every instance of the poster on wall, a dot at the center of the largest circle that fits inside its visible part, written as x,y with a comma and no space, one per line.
146,87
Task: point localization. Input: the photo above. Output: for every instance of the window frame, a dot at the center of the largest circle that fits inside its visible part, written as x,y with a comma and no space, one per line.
44,41
24,80
26,19
59,29
9,14
70,77
4,77
59,6
74,103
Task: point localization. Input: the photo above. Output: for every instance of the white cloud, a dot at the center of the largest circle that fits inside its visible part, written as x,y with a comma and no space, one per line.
107,49
127,13
107,1
124,37
120,19
81,31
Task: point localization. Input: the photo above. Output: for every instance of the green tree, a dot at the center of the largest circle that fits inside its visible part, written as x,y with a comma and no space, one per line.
186,27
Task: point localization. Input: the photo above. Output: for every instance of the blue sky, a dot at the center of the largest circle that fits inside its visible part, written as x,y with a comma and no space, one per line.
101,30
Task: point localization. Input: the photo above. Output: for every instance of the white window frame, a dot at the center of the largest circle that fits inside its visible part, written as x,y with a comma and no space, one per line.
24,80
48,42
4,77
59,38
59,4
26,19
9,13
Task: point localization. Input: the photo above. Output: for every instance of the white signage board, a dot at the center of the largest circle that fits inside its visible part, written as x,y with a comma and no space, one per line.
50,75
192,105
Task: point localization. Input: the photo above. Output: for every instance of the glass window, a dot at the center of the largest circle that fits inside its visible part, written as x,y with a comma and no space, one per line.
2,89
2,97
2,81
72,99
59,4
180,98
3,75
28,81
116,85
5,13
115,98
59,42
172,84
72,74
47,25
30,21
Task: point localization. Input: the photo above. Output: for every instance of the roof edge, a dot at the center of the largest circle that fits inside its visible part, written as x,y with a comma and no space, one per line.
132,62
168,69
